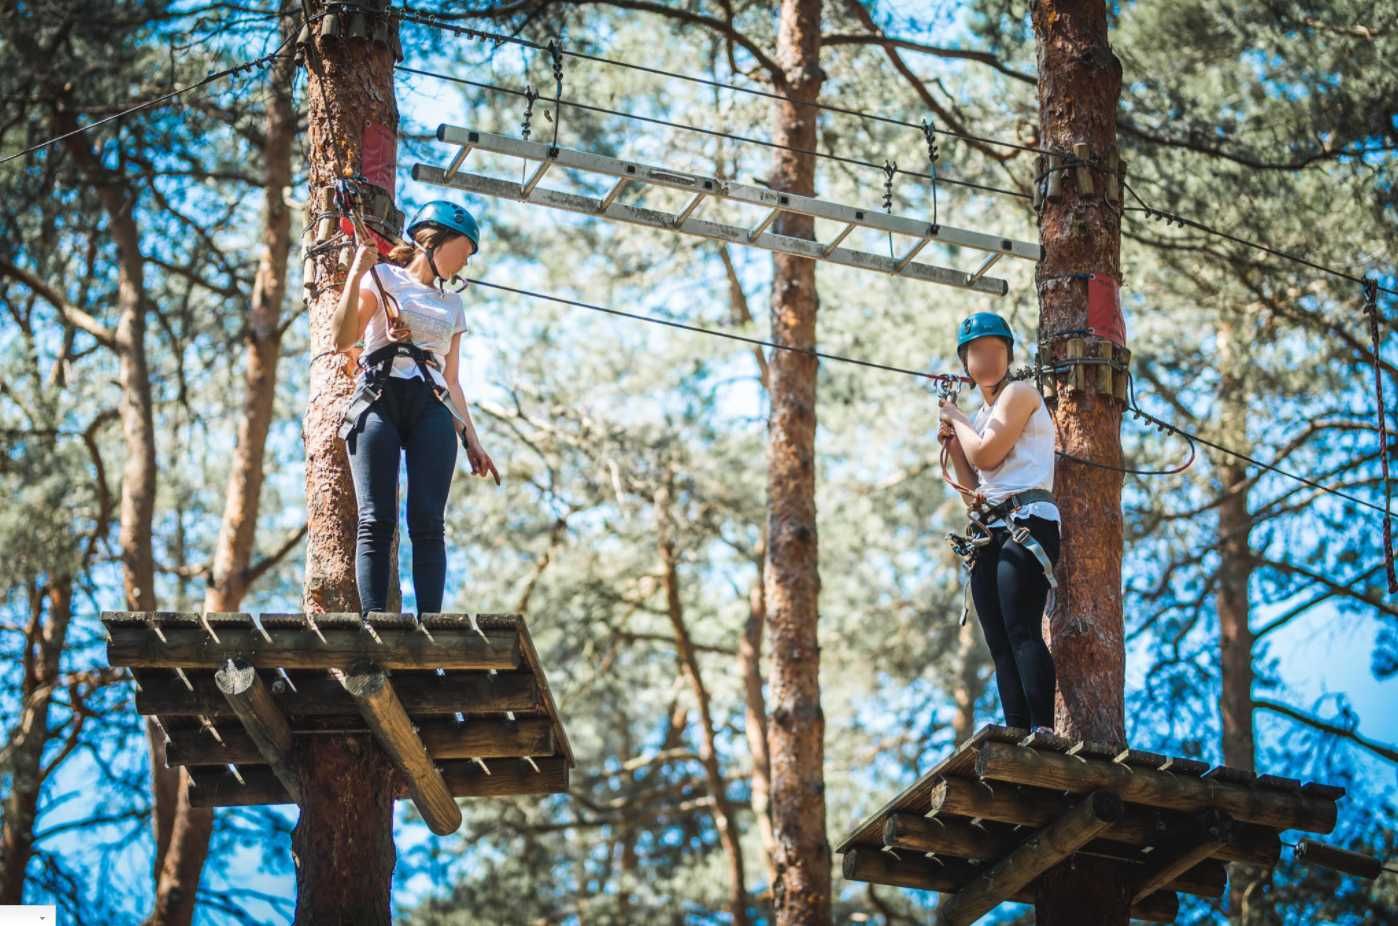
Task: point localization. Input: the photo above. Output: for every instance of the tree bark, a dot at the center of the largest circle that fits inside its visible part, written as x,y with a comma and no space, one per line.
42,653
755,720
1079,88
1234,575
343,841
970,681
796,732
191,827
729,835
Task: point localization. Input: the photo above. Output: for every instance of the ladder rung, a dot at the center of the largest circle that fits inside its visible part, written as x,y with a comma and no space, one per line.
762,226
844,233
457,161
538,175
688,209
908,257
613,193
985,265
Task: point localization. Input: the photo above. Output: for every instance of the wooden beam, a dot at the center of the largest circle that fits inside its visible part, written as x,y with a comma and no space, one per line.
1204,835
485,738
318,695
1138,826
870,865
1038,854
1277,809
384,714
953,837
1313,852
218,787
263,722
303,648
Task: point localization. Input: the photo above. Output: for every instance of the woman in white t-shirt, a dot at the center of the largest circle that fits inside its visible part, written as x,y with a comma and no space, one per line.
1006,456
408,399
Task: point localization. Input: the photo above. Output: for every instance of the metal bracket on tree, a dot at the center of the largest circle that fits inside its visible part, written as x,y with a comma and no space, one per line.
1082,164
344,20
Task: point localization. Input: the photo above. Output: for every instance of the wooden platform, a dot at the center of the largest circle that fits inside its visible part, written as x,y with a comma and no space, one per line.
460,702
1005,807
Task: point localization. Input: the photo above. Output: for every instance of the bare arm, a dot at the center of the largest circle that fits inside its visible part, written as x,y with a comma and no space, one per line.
353,312
481,464
1007,420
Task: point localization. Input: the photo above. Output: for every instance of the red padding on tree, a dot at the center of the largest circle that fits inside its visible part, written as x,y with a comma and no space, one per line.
1104,308
379,157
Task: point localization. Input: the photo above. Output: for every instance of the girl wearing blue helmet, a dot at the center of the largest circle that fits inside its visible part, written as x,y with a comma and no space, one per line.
1005,456
408,399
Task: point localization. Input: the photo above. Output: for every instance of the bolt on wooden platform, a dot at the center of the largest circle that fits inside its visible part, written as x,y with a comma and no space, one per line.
458,701
1007,806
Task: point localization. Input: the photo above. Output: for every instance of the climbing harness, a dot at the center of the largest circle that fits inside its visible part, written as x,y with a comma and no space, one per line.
977,535
376,369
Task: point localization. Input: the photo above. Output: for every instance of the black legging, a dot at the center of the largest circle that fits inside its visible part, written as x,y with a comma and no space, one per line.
1010,590
408,420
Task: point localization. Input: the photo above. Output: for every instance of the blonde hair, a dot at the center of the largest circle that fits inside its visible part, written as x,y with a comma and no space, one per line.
427,237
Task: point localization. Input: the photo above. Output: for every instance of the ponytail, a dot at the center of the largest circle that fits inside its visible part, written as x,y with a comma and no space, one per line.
428,237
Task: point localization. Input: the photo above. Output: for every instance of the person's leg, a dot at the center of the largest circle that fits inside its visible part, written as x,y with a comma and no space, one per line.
374,452
987,598
1023,591
431,447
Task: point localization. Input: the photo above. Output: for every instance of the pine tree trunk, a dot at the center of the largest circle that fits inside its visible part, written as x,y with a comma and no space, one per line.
1234,574
797,730
343,841
192,827
43,651
1079,88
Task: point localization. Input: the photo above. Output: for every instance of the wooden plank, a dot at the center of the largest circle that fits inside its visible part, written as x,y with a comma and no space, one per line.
384,714
1205,834
1038,854
867,863
531,660
913,799
318,695
485,738
1235,776
1324,792
263,722
1138,826
1140,785
1044,739
399,648
216,787
1278,783
1180,765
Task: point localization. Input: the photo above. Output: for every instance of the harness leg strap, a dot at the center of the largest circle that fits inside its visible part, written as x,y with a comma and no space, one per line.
1020,534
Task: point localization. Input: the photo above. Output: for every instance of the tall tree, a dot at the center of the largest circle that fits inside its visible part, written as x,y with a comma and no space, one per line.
1079,86
343,842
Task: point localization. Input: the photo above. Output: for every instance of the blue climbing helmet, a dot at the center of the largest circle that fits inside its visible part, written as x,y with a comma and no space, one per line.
447,215
983,325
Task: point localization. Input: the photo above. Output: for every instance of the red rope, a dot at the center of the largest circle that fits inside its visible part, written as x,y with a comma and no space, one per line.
1371,309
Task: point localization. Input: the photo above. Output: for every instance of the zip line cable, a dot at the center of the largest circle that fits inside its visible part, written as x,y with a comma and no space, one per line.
742,139
209,78
1132,407
432,21
428,19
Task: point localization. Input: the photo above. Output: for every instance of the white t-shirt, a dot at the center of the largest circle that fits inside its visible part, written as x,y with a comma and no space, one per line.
1028,465
434,318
